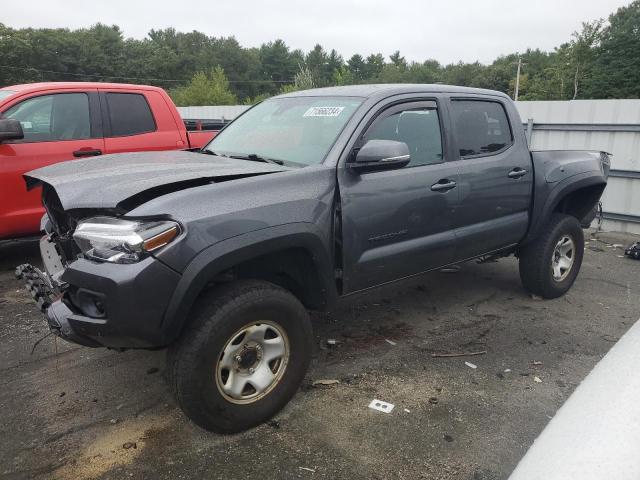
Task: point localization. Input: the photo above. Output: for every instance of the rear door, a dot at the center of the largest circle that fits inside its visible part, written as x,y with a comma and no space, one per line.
138,121
57,126
398,223
496,177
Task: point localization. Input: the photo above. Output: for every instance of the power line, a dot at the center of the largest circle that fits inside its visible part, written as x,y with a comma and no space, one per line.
39,70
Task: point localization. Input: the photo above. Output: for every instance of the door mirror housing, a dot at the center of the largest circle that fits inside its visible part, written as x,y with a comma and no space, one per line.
10,129
378,155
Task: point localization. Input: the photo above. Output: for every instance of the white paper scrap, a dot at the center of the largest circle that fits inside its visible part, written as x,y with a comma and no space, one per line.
381,406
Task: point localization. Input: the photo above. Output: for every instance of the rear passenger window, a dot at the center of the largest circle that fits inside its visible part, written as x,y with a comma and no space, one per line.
481,127
419,128
129,114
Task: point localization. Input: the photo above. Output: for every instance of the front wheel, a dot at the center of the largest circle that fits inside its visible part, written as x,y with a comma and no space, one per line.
550,264
243,356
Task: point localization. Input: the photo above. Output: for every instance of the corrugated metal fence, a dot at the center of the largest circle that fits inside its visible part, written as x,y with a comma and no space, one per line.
223,112
609,125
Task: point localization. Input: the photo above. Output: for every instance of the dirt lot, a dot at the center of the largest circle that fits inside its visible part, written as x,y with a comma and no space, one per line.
67,411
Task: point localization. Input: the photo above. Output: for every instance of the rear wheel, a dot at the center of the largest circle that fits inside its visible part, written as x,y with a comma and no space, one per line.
550,264
243,356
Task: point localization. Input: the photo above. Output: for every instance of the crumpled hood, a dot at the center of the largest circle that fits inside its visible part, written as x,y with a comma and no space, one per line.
109,181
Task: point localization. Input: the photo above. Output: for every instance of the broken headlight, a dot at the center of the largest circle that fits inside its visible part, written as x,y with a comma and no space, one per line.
116,240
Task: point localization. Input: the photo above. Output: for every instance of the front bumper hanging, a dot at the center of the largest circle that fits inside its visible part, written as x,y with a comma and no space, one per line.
40,285
47,293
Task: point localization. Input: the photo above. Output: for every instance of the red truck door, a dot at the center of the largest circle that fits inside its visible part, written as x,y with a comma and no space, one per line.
139,121
57,126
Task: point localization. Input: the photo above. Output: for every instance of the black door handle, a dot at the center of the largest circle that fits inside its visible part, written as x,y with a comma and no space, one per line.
87,153
517,173
443,185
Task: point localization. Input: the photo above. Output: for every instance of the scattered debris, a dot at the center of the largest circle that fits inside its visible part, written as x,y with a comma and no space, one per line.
62,394
433,400
407,410
120,406
507,370
447,438
451,269
274,424
390,342
535,297
633,251
381,406
129,445
537,362
461,354
307,469
537,379
332,341
113,421
471,365
617,245
325,382
153,370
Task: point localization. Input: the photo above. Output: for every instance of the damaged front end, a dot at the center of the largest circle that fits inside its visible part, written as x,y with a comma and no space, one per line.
47,291
89,287
46,286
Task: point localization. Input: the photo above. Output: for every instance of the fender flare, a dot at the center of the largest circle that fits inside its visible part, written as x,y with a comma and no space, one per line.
545,202
227,253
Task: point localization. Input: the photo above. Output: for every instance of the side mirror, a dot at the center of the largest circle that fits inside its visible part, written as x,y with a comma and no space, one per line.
10,129
378,155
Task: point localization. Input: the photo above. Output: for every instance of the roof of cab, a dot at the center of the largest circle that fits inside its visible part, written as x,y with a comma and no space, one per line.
37,87
389,89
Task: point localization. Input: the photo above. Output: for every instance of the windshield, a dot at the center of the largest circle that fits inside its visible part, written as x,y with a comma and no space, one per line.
297,131
6,93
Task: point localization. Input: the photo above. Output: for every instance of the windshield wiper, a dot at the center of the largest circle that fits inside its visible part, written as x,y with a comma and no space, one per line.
211,152
257,158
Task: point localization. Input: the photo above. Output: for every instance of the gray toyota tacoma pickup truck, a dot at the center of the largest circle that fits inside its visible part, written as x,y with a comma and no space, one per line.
305,198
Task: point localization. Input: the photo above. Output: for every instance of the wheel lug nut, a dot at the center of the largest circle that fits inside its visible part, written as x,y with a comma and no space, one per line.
238,358
251,370
258,347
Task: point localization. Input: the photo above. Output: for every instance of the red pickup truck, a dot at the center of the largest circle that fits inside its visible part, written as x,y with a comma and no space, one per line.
45,123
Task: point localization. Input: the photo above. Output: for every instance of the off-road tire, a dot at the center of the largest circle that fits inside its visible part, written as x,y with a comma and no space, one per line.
536,258
216,316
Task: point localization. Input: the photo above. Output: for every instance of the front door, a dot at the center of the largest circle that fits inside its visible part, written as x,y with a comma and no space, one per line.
397,223
56,127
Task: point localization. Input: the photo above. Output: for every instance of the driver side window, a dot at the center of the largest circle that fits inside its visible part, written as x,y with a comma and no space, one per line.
53,117
419,128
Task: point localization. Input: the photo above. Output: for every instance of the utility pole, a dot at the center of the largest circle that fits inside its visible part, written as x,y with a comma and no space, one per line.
518,80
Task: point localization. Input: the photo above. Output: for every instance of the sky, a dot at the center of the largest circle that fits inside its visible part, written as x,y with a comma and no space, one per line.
445,30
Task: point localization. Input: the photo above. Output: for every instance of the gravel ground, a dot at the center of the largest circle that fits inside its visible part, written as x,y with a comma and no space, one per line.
70,412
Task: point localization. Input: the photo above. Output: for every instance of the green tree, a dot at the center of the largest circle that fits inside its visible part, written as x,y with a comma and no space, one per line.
304,80
357,68
373,66
398,60
203,89
615,71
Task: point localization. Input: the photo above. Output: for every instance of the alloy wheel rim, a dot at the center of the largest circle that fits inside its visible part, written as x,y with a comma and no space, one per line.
563,258
252,362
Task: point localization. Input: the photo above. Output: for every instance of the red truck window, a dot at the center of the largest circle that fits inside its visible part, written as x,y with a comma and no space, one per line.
129,114
50,118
